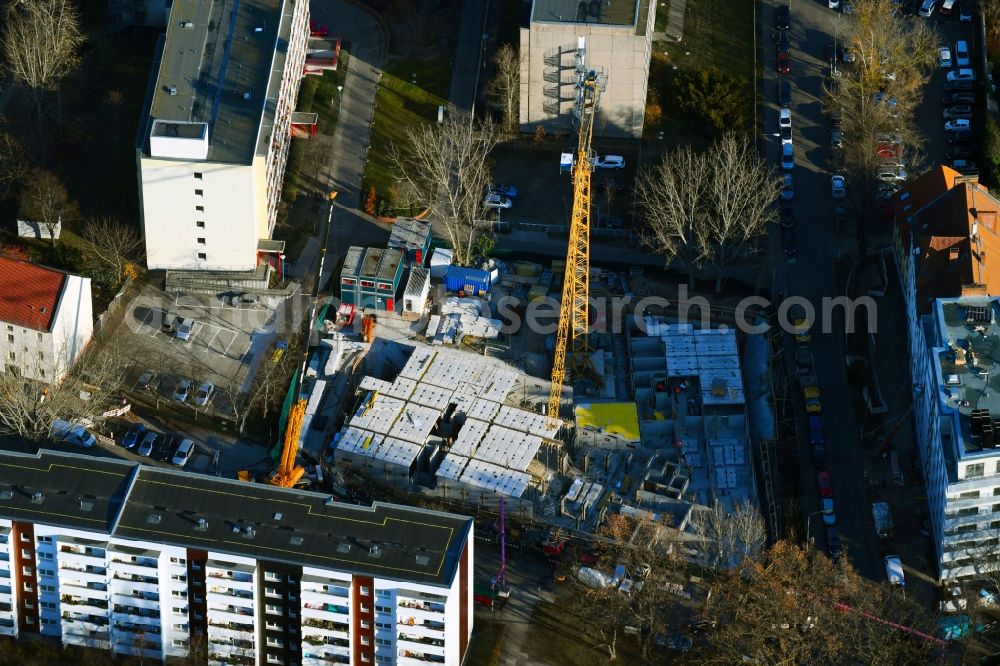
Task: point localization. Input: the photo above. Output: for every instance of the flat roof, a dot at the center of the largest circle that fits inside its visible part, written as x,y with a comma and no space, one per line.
381,263
260,521
968,364
409,233
221,67
602,12
615,418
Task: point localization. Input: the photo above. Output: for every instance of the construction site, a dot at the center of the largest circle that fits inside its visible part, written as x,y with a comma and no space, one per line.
636,413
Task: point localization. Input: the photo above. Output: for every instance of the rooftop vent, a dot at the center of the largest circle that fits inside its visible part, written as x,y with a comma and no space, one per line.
172,90
277,516
249,532
247,96
86,505
154,518
37,497
189,25
296,541
236,528
343,547
374,550
6,494
423,560
258,29
330,501
201,524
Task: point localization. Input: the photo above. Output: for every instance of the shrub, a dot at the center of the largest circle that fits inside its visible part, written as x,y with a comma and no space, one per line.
991,149
370,201
710,95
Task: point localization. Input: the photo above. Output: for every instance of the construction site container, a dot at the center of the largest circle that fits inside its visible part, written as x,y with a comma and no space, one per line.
538,291
469,280
527,268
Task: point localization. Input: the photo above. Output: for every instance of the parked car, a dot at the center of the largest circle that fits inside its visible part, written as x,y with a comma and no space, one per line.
960,152
927,8
785,118
183,453
958,98
891,175
164,448
145,380
784,94
787,187
833,4
829,517
134,435
786,217
847,54
944,56
966,167
836,139
825,484
838,188
819,456
781,17
965,85
503,190
72,433
957,111
846,7
784,44
962,53
496,201
965,11
183,390
962,75
958,125
787,156
784,63
148,444
833,547
609,162
786,135
947,6
204,394
183,328
244,301
788,244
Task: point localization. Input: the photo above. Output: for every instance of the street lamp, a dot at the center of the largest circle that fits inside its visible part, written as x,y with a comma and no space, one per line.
809,518
340,98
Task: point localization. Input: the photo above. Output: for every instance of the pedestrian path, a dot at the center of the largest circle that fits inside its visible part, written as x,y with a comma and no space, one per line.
674,31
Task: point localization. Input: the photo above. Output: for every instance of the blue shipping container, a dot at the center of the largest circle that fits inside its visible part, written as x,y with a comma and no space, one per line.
469,280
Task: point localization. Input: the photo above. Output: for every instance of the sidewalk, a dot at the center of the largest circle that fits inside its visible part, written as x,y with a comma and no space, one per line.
467,62
674,32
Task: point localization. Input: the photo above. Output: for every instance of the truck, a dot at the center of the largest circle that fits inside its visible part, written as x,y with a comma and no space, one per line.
810,394
883,519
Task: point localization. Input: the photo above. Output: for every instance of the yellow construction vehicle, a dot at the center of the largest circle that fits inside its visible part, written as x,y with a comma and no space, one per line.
574,312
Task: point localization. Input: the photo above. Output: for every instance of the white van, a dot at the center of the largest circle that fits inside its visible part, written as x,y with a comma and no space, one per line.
72,433
183,454
609,162
927,8
183,331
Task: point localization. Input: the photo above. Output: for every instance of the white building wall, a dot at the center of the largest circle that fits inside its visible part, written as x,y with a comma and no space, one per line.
8,610
47,356
187,201
232,620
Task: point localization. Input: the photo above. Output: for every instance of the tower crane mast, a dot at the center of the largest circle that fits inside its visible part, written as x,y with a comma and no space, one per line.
574,310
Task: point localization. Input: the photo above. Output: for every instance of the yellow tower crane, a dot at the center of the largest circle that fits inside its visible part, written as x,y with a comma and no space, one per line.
574,311
288,473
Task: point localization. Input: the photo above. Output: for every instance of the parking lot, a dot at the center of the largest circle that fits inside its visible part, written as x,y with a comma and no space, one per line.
222,347
545,196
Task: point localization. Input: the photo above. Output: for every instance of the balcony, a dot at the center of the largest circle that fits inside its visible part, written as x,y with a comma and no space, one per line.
238,614
322,659
425,606
151,632
230,627
220,659
128,611
222,591
139,600
326,625
330,612
422,640
74,555
132,568
422,627
415,658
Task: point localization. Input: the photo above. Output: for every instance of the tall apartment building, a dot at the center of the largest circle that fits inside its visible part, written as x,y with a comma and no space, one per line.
215,142
618,37
947,243
46,319
140,560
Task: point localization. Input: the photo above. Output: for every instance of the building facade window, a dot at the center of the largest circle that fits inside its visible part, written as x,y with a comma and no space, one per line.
202,256
199,193
201,241
197,175
975,471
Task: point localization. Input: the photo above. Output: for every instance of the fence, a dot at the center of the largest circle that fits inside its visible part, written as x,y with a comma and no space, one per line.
115,311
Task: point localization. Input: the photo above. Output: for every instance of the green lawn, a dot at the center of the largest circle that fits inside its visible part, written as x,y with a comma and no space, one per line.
409,94
717,33
487,637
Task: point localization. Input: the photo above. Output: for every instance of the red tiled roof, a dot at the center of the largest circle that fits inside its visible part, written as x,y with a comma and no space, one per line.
29,293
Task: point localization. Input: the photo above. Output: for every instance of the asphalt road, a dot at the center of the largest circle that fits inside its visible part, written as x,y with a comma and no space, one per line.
813,276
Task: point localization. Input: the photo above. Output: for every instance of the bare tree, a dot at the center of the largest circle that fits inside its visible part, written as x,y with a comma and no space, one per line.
41,43
44,200
419,27
13,162
504,89
696,217
877,96
447,168
795,606
118,246
730,537
28,406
